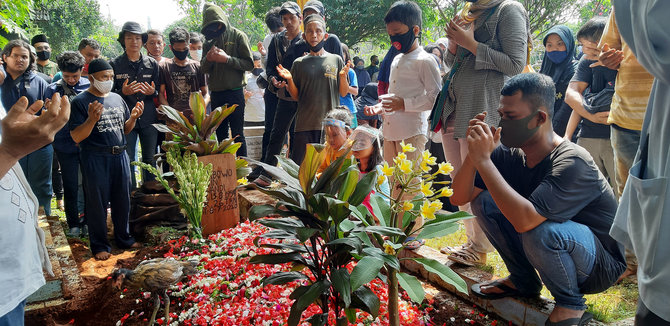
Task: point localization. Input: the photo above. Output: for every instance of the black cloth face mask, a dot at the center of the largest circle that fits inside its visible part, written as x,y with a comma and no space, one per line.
44,55
317,47
403,42
181,55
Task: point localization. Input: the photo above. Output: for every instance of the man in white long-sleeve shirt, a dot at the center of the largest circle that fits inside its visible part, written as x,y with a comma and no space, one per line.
414,84
23,255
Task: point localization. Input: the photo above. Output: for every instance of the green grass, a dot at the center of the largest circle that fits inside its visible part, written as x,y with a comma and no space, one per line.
617,303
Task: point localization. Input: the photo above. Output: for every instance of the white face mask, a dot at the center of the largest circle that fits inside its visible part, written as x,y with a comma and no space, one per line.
103,87
196,54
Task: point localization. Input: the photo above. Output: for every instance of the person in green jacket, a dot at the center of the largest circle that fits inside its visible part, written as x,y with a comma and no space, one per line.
228,57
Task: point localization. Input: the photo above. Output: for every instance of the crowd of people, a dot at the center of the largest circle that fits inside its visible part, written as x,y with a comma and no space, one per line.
564,170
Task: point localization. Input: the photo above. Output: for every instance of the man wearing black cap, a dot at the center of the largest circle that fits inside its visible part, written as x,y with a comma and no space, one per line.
332,44
99,121
136,79
44,65
228,57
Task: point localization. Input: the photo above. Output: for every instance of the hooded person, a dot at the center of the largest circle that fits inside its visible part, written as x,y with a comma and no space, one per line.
559,64
368,97
226,57
362,75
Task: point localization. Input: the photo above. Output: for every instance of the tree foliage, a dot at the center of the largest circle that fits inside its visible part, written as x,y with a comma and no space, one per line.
66,22
14,16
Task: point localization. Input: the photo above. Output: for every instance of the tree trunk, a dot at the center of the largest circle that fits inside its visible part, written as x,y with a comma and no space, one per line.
394,317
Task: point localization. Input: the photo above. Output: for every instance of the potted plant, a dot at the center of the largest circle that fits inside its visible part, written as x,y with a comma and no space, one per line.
196,134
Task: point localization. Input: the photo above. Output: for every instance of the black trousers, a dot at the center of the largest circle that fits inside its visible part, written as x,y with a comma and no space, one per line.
271,101
235,121
645,317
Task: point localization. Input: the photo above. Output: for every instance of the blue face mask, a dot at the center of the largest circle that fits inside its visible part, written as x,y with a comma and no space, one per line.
557,56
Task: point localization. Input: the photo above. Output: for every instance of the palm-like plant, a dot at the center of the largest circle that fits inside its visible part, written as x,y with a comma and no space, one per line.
197,133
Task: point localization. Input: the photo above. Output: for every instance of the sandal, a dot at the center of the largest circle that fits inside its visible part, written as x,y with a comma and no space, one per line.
412,243
584,320
448,250
468,256
507,291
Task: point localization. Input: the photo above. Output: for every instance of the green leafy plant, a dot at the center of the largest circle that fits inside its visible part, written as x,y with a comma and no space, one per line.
192,180
197,133
316,235
412,196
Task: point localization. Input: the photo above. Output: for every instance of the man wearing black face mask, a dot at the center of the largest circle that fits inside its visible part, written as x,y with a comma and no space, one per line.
44,65
180,75
542,203
227,57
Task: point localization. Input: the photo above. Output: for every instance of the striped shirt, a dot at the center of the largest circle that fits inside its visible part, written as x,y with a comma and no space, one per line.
501,53
633,83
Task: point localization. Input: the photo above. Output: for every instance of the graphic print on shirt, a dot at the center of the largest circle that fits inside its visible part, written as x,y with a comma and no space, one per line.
111,120
331,72
181,82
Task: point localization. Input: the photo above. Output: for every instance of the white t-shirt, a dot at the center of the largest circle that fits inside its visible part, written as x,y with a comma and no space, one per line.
254,109
23,253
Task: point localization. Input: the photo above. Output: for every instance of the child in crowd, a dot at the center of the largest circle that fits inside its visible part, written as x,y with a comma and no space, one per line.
367,151
315,83
589,94
368,97
414,84
337,128
254,112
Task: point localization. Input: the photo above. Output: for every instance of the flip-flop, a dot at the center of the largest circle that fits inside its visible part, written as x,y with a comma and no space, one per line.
507,291
584,320
412,243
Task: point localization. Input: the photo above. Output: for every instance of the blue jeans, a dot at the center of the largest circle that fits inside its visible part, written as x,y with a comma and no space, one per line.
148,136
562,253
37,167
14,317
624,145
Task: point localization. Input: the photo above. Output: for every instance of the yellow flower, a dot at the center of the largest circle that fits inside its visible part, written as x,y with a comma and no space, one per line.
424,167
407,147
380,179
399,158
426,188
427,158
405,166
387,170
407,206
388,249
436,204
445,168
242,181
446,192
428,210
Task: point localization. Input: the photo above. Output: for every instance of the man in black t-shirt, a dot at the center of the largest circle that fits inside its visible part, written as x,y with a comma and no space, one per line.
542,203
99,123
